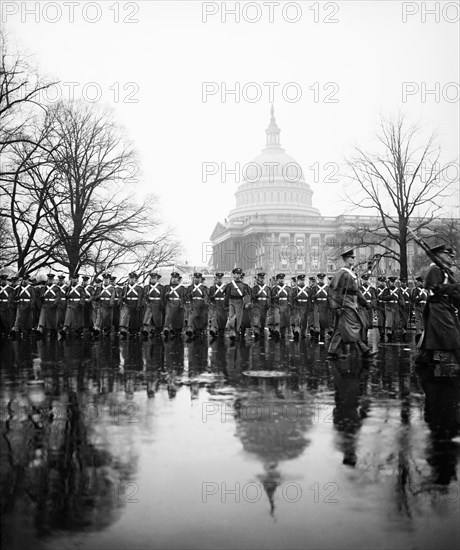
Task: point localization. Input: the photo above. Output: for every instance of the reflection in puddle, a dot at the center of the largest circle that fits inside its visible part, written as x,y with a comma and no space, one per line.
197,445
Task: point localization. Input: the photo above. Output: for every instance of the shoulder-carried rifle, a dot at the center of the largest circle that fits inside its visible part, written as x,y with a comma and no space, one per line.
433,257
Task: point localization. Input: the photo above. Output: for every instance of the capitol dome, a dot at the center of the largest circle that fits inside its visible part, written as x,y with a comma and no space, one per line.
273,183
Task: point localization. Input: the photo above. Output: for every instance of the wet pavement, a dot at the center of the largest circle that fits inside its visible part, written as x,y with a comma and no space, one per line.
143,445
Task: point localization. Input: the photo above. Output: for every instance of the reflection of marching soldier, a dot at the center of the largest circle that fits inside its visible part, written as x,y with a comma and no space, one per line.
370,295
301,301
404,307
154,302
75,298
61,305
217,309
50,297
6,301
281,299
392,298
103,301
197,295
175,294
236,297
321,307
88,292
261,299
380,306
131,303
419,297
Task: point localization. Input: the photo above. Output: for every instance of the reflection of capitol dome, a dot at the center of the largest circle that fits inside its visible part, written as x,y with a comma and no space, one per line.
273,182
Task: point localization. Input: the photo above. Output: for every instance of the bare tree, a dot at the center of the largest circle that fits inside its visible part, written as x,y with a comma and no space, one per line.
26,190
404,184
20,96
92,212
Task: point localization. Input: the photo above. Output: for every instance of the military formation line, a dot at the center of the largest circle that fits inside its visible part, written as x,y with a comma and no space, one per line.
304,308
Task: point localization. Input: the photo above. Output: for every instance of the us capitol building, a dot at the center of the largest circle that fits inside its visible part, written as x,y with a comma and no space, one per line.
275,227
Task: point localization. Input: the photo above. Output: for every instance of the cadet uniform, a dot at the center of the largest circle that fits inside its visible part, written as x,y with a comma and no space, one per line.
311,327
370,295
281,298
321,307
25,298
236,297
301,303
88,292
153,295
61,304
197,296
75,298
442,326
131,303
350,326
380,307
404,308
393,301
117,304
50,297
247,309
419,296
261,300
217,308
6,301
175,295
104,300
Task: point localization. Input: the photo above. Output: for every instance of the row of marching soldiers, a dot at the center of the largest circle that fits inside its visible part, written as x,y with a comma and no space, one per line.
104,307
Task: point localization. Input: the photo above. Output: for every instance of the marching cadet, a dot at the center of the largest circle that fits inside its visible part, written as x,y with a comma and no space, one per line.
301,301
216,304
441,323
261,301
404,307
197,296
311,308
103,302
50,297
281,299
6,301
392,298
131,303
322,310
346,296
270,315
61,306
25,298
247,308
174,299
236,297
13,282
380,305
153,295
370,295
88,292
419,296
117,304
75,299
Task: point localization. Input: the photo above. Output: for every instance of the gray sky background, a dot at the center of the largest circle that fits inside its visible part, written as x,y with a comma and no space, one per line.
161,59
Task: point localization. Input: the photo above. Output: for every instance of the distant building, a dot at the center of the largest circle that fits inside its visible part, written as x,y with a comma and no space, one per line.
275,227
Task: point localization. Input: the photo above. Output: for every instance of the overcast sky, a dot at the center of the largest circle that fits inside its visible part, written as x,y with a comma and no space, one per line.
351,61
